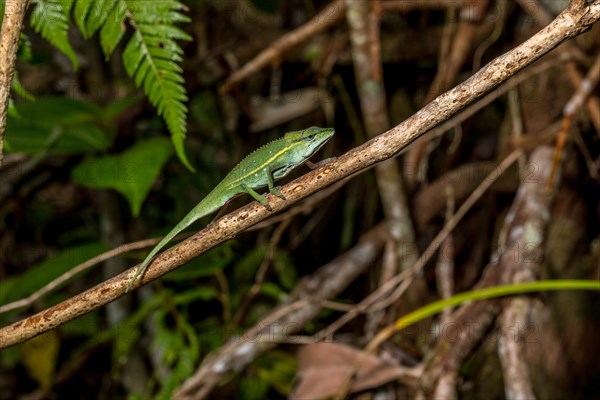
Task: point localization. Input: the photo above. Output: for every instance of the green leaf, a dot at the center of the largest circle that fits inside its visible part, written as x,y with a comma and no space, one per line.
19,89
98,14
80,14
150,57
155,70
24,52
50,18
113,30
50,111
131,173
57,125
36,277
438,306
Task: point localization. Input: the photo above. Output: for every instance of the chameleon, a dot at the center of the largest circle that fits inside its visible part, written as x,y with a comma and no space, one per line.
260,168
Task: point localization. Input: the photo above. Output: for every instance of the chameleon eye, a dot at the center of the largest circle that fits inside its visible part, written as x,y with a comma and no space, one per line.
310,132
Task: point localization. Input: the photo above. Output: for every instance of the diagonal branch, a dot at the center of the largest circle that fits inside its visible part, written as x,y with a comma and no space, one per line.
576,19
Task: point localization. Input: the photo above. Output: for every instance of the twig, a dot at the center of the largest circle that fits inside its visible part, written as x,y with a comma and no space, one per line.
12,22
573,105
538,12
127,247
576,19
330,15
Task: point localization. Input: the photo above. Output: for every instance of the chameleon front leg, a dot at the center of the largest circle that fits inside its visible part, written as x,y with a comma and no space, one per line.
271,185
261,199
272,189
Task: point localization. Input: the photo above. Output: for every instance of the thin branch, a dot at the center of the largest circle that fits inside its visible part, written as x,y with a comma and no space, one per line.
330,15
585,89
84,266
12,22
576,19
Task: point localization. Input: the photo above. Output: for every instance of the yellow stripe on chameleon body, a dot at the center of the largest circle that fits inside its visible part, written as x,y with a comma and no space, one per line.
269,161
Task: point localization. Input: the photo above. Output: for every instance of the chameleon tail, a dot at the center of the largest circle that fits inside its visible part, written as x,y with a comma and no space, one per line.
202,209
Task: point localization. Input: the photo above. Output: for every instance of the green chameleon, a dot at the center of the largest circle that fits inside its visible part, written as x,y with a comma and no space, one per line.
260,168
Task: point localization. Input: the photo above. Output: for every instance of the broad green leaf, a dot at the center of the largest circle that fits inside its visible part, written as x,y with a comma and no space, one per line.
17,287
131,173
56,125
50,111
23,137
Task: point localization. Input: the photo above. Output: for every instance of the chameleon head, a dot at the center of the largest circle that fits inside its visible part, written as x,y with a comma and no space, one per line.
310,140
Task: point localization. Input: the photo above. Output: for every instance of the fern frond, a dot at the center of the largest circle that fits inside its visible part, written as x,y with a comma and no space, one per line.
50,18
152,54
